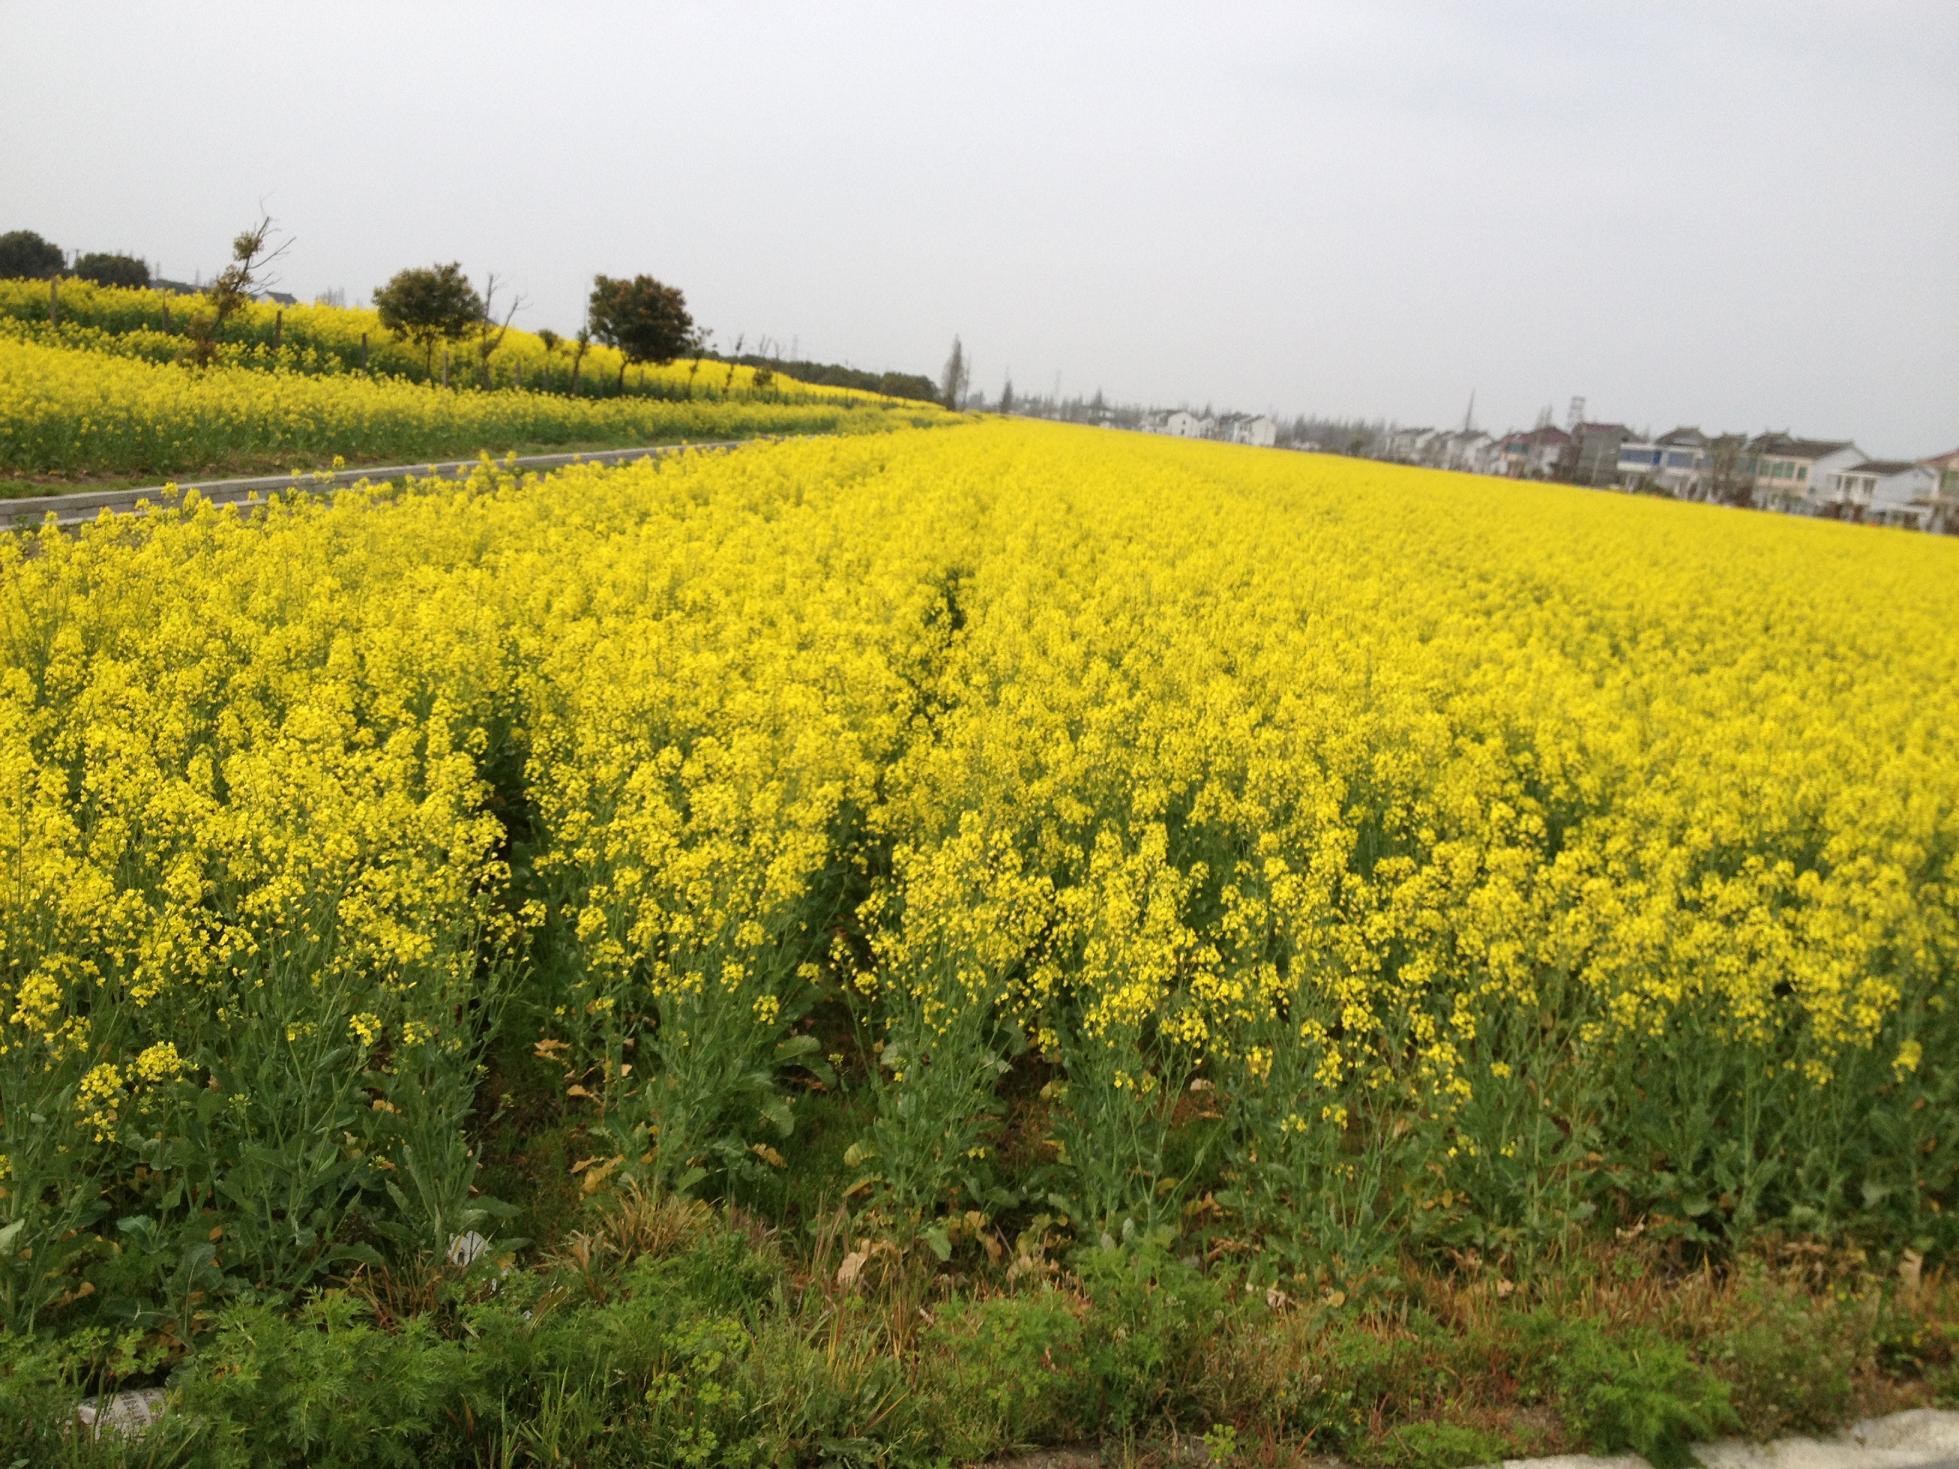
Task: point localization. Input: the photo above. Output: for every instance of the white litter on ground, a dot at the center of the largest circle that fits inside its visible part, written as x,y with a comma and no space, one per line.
466,1249
126,1413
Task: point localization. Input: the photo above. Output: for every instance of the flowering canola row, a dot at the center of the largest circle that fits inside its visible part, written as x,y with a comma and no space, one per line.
151,324
1337,858
79,410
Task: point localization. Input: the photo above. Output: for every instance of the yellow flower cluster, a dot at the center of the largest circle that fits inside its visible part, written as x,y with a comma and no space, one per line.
325,339
1349,808
72,410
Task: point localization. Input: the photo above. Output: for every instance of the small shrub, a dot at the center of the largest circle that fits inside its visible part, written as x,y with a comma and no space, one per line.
1631,1391
1007,1372
1789,1360
1432,1445
1153,1320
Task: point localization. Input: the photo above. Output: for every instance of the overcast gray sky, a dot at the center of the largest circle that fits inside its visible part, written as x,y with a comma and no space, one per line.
1740,215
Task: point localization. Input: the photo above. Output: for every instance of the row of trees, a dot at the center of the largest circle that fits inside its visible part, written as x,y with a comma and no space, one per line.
433,306
25,255
645,319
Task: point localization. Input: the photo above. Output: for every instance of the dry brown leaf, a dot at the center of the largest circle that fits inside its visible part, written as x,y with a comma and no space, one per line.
595,1177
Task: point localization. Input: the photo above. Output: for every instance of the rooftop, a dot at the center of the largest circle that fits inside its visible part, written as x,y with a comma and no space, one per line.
1799,448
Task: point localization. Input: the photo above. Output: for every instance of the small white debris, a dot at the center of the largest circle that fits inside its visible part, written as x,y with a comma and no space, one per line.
126,1413
466,1249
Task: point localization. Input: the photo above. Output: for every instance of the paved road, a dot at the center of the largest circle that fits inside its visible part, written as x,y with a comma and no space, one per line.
87,504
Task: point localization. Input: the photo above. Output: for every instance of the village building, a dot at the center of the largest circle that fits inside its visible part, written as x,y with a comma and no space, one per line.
1536,454
1673,464
1792,474
1247,428
1181,424
1944,516
1883,492
1592,457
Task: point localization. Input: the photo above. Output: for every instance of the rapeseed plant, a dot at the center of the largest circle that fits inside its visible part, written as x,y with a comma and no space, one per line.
1361,859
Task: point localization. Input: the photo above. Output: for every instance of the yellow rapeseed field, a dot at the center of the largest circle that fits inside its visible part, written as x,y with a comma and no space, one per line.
87,410
1339,858
333,339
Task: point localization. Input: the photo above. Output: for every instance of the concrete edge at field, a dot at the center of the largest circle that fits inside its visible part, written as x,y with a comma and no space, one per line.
83,505
1923,1438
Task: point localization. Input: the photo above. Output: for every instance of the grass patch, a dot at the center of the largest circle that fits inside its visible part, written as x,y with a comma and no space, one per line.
650,1329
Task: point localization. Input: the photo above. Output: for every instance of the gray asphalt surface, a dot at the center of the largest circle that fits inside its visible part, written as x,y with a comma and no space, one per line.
85,505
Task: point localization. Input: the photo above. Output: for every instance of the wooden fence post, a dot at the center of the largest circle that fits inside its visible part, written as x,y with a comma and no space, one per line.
54,299
363,351
278,329
445,367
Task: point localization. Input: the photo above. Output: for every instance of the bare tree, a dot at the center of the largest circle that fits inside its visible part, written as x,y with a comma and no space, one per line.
489,332
252,252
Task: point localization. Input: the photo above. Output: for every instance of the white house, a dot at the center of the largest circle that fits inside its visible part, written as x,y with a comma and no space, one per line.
1402,443
1183,424
1674,463
1945,498
1465,449
1429,446
1885,491
1485,456
1797,474
1248,428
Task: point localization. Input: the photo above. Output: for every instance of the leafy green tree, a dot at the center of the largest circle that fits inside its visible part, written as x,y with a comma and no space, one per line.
24,253
1007,397
645,320
107,269
429,304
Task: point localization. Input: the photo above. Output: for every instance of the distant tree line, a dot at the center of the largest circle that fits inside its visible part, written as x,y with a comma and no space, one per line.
433,306
834,375
26,255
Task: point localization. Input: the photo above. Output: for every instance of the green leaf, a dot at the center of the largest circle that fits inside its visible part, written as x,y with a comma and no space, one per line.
858,1154
939,1242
